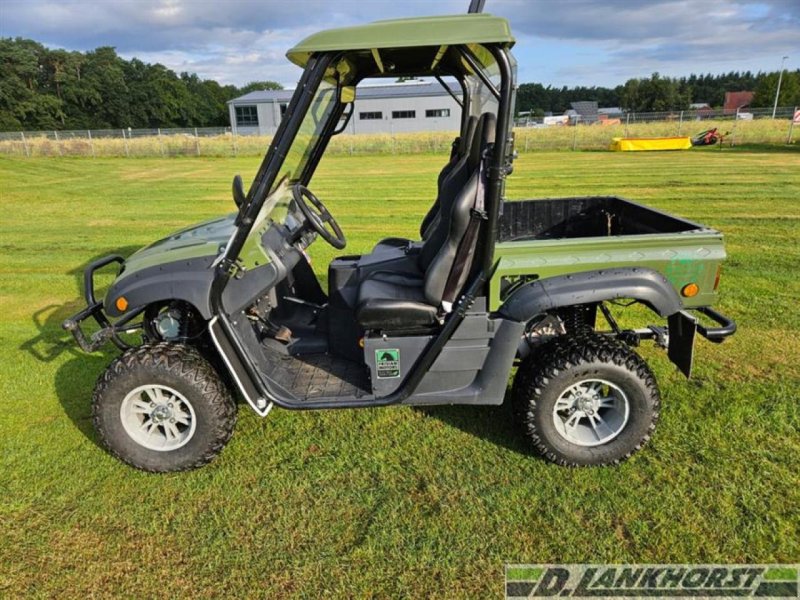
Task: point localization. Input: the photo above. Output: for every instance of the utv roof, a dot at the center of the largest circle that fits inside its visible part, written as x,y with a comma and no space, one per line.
476,28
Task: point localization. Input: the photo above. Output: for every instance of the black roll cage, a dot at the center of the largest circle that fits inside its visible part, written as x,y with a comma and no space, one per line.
259,190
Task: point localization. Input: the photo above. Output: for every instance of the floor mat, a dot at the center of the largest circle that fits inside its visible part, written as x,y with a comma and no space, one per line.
318,375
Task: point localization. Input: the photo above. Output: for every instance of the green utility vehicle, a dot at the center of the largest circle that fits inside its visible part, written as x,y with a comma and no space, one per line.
232,307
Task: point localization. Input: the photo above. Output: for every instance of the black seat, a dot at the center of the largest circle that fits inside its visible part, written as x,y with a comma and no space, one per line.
392,301
457,162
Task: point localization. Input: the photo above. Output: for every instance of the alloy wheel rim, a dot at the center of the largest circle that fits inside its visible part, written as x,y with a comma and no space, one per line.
158,417
591,412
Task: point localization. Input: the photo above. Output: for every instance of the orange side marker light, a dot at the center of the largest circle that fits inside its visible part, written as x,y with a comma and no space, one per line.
690,290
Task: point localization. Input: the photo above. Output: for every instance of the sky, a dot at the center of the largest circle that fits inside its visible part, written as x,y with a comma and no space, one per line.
559,42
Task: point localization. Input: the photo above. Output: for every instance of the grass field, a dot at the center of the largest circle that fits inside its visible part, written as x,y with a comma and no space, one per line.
392,502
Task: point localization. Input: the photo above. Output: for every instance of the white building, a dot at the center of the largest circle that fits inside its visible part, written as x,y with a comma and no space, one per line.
384,108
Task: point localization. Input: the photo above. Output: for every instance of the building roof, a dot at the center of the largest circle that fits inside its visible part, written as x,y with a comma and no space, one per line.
414,89
263,96
737,100
585,107
474,28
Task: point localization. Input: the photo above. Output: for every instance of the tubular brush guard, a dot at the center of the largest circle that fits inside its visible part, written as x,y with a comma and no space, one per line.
94,309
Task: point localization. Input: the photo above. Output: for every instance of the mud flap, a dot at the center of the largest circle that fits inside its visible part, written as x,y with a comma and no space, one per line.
682,328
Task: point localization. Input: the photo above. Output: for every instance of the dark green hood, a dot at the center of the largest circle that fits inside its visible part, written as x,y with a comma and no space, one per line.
203,239
174,268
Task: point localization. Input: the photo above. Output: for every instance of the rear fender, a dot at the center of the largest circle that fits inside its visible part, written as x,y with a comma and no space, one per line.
645,285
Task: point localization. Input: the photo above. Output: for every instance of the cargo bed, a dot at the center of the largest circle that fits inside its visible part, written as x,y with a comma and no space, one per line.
558,236
585,216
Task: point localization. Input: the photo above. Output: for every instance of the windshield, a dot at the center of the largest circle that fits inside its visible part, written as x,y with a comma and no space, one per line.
310,131
278,204
481,97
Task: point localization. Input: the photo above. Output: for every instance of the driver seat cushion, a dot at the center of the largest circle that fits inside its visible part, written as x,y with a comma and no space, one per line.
394,302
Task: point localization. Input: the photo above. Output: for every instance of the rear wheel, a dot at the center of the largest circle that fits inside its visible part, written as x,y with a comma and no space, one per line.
586,400
162,407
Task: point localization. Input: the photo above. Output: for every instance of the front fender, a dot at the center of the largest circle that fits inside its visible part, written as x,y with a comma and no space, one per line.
188,280
646,285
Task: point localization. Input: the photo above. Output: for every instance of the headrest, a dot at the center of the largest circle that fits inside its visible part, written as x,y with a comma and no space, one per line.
465,141
484,135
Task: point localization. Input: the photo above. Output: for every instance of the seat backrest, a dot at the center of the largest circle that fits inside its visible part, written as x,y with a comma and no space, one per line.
451,187
438,270
463,144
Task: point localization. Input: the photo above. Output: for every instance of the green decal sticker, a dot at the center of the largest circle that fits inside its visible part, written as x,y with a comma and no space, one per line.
684,270
387,363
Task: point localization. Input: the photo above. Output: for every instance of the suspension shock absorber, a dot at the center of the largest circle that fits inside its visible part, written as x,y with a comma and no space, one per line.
577,319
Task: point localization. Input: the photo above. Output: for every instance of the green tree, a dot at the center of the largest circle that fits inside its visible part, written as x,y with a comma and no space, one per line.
24,102
43,88
536,97
103,90
254,86
656,94
208,98
768,84
58,72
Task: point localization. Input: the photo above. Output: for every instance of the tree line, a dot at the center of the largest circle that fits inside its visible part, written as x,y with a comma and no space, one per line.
657,93
43,88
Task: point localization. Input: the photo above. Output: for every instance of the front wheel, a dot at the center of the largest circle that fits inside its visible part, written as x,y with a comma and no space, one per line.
162,407
586,400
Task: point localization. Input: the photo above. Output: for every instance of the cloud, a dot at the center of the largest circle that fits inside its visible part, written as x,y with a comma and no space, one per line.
233,41
625,38
560,42
643,22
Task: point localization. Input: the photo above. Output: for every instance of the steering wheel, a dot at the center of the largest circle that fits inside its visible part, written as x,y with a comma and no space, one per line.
319,216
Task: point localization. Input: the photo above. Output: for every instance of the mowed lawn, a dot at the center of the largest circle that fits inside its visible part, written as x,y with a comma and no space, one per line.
395,502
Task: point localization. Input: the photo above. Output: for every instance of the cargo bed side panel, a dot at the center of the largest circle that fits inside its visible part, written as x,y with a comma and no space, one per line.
689,257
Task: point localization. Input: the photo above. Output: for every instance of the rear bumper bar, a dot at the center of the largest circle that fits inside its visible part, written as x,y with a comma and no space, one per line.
94,309
727,326
679,335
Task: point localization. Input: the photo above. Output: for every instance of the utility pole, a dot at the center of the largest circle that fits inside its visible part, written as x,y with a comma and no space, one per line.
778,91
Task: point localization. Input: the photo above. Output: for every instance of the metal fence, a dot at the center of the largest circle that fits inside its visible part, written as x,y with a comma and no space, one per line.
576,133
739,127
111,142
673,116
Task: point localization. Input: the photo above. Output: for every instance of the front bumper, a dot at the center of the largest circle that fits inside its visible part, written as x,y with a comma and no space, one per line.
94,309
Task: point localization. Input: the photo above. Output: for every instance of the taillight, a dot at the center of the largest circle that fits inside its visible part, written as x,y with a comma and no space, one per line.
716,279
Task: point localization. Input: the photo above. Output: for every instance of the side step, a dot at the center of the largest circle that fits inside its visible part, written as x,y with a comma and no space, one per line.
258,403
